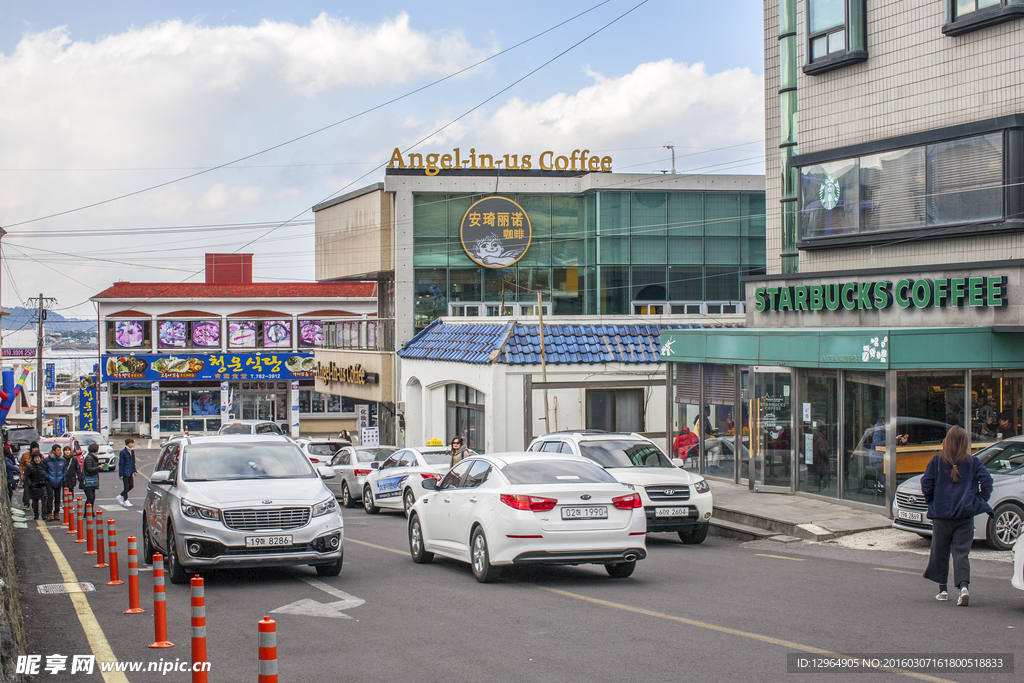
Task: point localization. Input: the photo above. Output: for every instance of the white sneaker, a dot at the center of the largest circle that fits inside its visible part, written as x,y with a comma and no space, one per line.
128,504
943,596
120,501
964,598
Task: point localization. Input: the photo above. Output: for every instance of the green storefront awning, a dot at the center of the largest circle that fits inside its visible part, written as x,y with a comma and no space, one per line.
903,348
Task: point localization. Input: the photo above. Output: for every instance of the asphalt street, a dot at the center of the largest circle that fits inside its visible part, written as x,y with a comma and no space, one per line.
721,611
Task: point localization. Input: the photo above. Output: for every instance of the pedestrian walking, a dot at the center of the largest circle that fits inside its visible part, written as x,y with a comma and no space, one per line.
956,487
55,469
90,476
35,481
11,465
70,477
459,450
126,470
26,460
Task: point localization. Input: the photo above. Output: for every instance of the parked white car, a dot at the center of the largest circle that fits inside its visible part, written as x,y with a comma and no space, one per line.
240,501
106,455
321,451
351,465
1018,564
525,508
399,479
674,499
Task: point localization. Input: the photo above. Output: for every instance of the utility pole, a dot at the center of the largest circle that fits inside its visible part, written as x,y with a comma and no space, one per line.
672,148
40,400
543,359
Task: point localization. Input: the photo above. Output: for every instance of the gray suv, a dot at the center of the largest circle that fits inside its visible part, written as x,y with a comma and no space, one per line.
240,501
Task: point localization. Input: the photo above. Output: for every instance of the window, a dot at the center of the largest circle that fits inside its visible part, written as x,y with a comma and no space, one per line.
615,410
950,183
129,334
315,403
465,415
477,474
836,34
964,16
454,476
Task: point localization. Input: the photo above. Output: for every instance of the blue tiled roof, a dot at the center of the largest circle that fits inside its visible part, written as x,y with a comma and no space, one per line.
519,344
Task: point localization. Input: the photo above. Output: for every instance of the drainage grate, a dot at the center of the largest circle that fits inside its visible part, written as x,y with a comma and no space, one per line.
58,588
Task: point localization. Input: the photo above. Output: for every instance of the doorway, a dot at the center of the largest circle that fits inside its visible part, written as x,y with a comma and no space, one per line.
771,433
134,410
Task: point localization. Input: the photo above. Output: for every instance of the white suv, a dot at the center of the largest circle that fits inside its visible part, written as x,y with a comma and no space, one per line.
675,500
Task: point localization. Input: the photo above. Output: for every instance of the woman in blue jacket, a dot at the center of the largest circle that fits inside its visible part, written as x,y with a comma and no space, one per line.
957,488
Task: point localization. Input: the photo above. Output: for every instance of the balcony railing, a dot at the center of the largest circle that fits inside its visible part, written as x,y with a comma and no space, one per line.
362,335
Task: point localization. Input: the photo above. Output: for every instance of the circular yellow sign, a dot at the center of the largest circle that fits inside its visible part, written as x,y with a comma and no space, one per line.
495,232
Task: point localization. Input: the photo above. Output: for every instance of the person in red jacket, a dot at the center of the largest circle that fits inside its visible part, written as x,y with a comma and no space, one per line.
685,443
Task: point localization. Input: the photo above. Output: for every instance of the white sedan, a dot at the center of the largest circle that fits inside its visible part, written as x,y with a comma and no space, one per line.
527,508
321,451
399,480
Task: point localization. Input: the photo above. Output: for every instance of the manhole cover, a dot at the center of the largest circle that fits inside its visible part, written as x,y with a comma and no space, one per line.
51,588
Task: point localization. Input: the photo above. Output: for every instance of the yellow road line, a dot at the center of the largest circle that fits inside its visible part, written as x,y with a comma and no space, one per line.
895,571
93,632
782,557
378,547
725,629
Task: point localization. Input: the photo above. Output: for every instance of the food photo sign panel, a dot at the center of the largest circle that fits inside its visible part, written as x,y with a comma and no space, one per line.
215,366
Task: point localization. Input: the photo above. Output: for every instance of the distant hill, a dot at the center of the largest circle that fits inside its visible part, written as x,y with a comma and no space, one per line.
25,318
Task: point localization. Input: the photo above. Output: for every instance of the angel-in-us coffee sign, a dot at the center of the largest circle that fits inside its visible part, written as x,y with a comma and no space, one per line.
496,232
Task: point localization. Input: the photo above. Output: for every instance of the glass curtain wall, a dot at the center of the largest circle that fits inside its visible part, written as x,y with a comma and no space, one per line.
818,449
996,404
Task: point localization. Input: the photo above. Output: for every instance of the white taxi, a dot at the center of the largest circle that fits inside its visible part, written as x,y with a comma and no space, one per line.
397,482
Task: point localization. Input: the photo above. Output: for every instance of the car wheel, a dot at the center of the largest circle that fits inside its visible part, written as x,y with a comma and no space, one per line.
346,496
1004,527
483,570
329,569
620,570
147,544
175,572
416,546
695,536
368,505
408,500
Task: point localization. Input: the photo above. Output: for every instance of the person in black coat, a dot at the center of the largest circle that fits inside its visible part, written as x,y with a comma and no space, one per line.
70,471
35,481
126,470
12,471
91,468
55,469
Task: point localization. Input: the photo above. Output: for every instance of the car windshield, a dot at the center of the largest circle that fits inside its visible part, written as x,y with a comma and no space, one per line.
624,453
374,454
555,472
437,457
23,436
236,429
88,439
1006,457
323,448
224,461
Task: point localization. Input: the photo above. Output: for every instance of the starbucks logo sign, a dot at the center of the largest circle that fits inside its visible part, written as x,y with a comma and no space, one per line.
829,193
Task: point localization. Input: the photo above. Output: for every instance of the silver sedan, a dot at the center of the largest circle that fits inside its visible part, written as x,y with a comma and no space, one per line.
351,465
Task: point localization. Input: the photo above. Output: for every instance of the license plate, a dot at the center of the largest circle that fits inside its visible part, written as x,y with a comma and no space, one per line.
912,516
267,541
672,512
596,512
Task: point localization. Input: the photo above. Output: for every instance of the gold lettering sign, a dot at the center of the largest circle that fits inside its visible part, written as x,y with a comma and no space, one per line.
353,374
432,164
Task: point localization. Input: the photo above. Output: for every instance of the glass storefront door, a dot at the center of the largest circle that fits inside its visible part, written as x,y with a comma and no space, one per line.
134,410
864,434
264,401
771,437
818,448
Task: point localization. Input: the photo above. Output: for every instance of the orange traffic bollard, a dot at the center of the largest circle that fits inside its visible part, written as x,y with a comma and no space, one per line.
268,651
69,507
101,551
90,545
115,579
133,579
64,499
80,522
159,603
198,630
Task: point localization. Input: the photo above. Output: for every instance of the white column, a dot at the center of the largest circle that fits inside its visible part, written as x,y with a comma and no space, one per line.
154,412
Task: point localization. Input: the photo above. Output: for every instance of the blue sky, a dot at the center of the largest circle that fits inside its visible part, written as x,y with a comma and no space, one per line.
115,97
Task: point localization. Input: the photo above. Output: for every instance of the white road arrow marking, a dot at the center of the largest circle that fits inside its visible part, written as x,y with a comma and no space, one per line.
312,608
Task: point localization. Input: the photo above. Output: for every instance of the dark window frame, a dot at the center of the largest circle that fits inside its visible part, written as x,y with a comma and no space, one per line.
979,18
845,57
614,404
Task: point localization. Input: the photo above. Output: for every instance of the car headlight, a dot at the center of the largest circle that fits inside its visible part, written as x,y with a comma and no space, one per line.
325,507
701,486
199,512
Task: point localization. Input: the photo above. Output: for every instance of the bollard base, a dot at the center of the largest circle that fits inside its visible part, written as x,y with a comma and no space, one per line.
89,552
101,566
71,531
136,610
114,583
80,540
162,643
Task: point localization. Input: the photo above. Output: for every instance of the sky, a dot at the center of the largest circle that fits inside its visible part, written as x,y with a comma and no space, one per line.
136,137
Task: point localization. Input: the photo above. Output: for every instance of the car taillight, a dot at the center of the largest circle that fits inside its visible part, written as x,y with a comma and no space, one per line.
363,473
628,502
534,503
430,475
312,459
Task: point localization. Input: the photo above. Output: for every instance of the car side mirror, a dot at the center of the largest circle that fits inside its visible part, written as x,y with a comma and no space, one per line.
325,472
161,477
430,484
678,462
374,465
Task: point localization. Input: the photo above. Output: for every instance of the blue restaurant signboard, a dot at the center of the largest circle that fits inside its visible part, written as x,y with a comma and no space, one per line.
214,366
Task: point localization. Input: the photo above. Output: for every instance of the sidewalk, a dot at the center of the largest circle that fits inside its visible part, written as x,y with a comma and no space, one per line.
741,513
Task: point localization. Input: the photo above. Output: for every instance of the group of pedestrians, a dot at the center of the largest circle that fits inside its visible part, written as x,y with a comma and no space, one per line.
45,479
